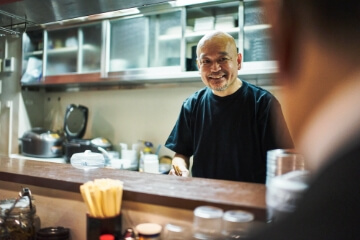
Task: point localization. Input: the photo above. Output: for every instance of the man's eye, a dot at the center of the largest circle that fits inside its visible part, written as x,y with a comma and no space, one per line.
222,60
205,61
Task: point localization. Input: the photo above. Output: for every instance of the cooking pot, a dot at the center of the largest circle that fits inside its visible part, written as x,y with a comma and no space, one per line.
39,142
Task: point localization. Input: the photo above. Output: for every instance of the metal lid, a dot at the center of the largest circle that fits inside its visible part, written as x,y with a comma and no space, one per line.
238,216
21,206
75,122
59,233
208,212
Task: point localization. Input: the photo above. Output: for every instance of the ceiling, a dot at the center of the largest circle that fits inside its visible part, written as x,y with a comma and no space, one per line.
16,12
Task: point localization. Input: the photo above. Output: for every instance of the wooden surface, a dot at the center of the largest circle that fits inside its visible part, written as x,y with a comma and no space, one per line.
163,190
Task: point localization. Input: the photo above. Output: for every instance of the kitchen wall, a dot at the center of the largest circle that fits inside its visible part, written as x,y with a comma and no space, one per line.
10,98
125,115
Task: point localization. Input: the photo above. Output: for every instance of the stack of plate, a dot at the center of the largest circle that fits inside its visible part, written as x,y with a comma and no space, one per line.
280,161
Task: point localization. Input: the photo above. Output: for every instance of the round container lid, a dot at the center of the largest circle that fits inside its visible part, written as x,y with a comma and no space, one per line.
148,228
238,216
22,206
52,232
208,212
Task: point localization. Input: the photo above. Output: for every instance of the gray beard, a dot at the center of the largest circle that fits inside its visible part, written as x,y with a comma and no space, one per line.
220,89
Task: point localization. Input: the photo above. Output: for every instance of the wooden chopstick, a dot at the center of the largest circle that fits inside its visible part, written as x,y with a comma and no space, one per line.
177,170
102,197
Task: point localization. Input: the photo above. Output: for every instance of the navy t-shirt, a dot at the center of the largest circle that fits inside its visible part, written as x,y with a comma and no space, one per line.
229,137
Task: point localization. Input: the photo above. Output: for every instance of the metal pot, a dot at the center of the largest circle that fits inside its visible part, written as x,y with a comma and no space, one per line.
39,142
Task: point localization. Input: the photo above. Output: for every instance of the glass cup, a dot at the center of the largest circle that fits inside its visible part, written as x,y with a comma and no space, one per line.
281,161
236,223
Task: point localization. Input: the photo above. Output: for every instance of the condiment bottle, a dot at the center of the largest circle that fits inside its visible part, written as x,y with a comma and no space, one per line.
129,234
149,231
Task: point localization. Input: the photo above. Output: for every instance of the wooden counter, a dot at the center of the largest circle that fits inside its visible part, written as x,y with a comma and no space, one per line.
141,188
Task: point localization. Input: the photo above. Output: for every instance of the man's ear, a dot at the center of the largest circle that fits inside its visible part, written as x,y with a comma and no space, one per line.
198,64
239,60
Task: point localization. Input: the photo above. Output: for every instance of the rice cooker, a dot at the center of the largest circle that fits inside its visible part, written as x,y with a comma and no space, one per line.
42,143
74,127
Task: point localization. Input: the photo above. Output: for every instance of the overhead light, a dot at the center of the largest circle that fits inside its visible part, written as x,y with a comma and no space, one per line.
117,13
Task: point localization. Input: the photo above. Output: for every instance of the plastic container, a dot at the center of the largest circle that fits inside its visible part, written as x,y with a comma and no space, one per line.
151,163
207,222
87,160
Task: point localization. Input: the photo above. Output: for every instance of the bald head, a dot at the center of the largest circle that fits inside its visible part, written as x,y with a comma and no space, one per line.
217,37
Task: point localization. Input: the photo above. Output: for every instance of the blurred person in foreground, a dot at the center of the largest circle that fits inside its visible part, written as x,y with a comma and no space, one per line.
316,43
229,125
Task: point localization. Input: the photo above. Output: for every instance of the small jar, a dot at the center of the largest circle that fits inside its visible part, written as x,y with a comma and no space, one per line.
149,231
18,219
207,222
236,224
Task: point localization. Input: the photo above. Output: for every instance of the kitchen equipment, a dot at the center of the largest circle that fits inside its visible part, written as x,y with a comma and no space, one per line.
81,145
40,142
87,160
76,117
75,121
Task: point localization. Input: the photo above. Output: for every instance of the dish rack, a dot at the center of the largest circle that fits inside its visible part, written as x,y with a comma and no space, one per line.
14,25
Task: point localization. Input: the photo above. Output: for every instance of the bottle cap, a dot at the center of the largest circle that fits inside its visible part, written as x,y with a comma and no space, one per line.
107,237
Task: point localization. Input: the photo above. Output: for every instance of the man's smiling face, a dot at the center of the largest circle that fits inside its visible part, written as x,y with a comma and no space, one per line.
219,63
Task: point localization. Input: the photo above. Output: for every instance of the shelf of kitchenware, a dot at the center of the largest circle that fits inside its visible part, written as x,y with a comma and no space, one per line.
257,27
194,35
64,50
